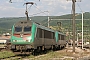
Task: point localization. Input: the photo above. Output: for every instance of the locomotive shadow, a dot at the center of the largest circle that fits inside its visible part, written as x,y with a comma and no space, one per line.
41,52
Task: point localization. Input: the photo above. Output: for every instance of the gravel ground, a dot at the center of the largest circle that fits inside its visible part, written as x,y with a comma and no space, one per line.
64,54
79,54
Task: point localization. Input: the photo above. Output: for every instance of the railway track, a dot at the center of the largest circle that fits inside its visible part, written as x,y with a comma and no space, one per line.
11,57
16,57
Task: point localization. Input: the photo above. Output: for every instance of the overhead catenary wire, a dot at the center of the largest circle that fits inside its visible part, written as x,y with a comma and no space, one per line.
79,7
29,8
11,1
38,13
39,9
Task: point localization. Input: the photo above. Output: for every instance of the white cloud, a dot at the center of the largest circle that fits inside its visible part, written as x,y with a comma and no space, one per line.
55,7
11,12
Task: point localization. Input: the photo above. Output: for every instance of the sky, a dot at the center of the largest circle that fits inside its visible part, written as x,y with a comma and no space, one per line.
41,8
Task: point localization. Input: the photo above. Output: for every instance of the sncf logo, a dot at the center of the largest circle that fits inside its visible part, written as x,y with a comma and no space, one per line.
21,35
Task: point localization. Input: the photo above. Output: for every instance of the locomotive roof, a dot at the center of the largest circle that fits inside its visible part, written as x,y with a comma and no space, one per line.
25,22
46,28
43,27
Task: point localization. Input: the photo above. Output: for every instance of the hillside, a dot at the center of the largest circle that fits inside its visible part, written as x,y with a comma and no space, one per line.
6,23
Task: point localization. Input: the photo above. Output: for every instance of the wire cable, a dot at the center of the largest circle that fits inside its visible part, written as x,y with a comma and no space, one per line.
39,9
79,7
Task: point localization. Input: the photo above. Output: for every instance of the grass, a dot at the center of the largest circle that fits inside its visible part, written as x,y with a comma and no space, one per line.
5,54
58,55
50,55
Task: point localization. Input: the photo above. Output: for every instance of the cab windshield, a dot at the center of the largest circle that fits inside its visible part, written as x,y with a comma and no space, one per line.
18,29
27,29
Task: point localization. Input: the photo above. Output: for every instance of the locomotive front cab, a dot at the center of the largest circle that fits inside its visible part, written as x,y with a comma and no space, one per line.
21,33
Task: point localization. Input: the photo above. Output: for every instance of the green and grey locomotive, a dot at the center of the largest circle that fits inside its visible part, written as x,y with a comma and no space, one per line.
29,36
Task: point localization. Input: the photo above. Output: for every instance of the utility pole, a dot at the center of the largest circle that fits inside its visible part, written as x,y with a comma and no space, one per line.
73,8
82,29
73,23
48,19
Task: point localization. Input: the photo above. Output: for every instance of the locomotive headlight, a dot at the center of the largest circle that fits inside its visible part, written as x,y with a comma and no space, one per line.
29,39
14,40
